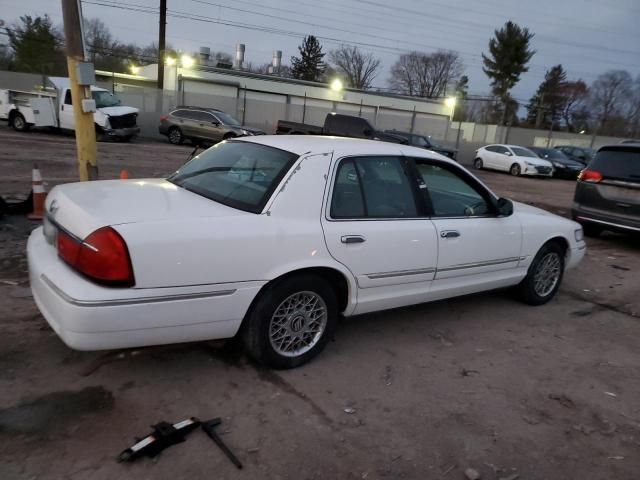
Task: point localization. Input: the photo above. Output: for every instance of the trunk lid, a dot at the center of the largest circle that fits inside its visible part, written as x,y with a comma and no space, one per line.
81,208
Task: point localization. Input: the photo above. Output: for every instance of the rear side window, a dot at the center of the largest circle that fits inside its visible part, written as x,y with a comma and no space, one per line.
618,163
372,187
180,113
241,175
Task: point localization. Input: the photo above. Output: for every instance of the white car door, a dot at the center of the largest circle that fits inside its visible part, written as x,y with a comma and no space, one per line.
503,158
374,226
488,156
473,240
66,111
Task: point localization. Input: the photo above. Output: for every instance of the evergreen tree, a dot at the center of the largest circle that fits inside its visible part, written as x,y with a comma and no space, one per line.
37,46
509,54
309,66
546,106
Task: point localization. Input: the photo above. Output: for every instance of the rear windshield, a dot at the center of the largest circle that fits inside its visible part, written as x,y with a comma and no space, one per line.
241,175
618,163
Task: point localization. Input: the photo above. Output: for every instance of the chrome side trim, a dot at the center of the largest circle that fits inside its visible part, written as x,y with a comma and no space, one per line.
400,273
131,301
611,224
480,264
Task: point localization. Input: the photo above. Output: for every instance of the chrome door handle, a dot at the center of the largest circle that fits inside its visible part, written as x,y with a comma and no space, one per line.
449,234
352,239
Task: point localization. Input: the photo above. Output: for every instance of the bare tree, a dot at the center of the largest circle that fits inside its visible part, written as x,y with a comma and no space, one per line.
574,93
633,110
425,75
609,93
358,68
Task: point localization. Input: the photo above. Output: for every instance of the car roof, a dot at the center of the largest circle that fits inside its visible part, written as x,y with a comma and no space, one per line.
620,146
189,107
342,146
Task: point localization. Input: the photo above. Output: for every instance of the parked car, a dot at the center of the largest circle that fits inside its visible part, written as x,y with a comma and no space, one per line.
339,125
423,141
202,125
631,140
264,237
581,154
513,159
563,166
607,195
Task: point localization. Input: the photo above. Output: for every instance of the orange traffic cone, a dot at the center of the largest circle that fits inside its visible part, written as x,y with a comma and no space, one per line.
38,195
124,174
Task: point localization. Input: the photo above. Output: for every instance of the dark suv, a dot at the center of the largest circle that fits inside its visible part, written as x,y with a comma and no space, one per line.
608,191
202,124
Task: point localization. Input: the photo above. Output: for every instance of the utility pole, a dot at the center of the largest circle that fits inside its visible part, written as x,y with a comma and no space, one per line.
161,42
80,94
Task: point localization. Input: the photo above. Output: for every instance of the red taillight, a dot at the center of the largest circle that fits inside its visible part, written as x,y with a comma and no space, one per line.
590,176
163,118
102,256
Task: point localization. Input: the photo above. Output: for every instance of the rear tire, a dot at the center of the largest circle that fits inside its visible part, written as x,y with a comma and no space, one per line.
477,164
175,136
18,122
592,230
515,170
290,322
544,276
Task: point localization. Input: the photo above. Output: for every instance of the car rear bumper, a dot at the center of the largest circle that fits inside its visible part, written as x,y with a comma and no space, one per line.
87,316
605,220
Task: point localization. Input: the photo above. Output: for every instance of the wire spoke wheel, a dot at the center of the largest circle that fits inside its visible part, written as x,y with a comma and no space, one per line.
298,324
547,274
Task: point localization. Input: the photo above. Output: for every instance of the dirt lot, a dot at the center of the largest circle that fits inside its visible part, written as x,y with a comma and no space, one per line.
426,392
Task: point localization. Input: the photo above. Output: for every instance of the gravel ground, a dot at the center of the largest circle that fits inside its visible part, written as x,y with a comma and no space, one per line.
479,382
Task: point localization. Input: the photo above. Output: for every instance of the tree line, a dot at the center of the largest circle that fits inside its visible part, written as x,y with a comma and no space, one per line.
610,105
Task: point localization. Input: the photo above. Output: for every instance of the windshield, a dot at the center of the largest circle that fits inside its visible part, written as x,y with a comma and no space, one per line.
226,118
523,152
549,153
241,175
105,99
421,141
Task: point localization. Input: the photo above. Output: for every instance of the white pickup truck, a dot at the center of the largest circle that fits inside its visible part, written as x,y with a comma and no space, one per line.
53,107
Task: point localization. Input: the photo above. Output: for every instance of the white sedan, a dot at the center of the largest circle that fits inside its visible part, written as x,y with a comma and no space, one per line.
273,237
513,159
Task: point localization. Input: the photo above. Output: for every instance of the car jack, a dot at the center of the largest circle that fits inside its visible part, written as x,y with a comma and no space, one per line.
164,435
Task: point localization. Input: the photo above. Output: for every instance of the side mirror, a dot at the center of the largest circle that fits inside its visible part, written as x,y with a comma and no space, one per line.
367,132
216,123
508,154
505,207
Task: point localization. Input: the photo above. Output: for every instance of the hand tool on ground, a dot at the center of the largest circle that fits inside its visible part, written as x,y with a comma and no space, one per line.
209,427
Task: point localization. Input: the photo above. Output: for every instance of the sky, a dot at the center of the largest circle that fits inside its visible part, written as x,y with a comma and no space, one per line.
587,37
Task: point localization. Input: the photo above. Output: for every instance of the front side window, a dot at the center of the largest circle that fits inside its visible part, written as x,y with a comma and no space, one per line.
242,175
372,187
449,194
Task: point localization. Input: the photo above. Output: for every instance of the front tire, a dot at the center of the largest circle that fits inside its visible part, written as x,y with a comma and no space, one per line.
544,276
477,164
175,136
515,170
291,322
18,122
